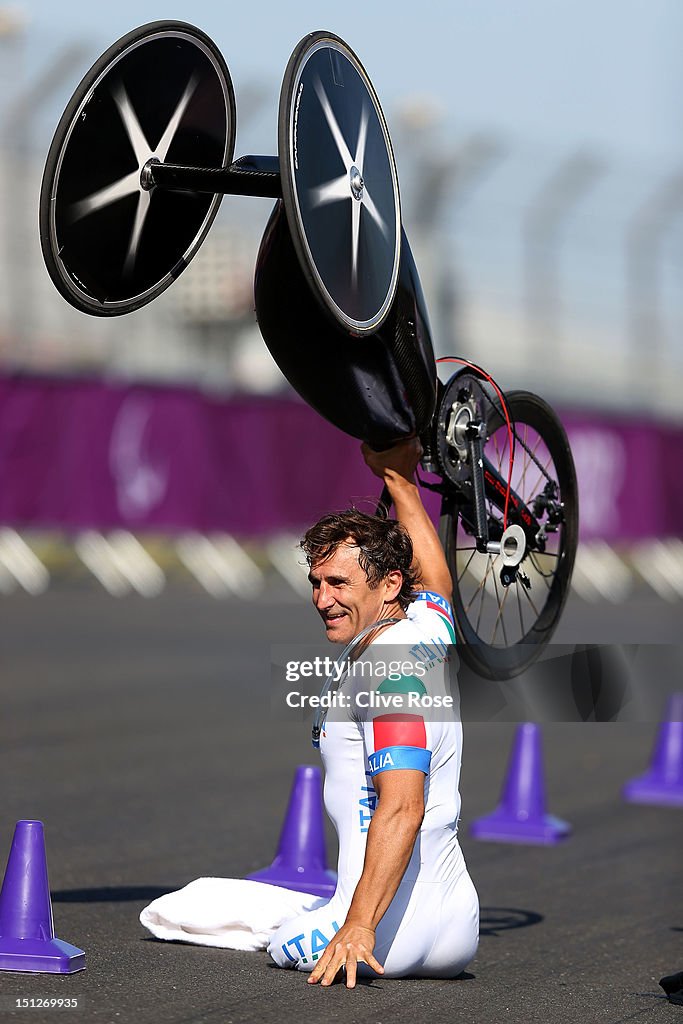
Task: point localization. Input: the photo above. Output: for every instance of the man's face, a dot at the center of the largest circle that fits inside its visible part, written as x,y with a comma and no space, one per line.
342,595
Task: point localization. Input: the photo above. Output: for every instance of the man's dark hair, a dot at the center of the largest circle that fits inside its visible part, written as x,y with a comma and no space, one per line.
383,546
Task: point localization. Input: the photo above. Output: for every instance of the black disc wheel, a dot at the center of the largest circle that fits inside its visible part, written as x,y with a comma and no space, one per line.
339,183
110,242
502,628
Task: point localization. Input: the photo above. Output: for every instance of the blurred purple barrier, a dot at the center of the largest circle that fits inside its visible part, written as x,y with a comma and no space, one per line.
89,454
630,475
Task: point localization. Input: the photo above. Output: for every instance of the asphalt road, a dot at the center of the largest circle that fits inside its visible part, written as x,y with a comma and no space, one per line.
140,733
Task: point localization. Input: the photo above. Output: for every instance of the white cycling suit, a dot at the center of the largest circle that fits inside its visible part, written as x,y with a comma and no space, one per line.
431,927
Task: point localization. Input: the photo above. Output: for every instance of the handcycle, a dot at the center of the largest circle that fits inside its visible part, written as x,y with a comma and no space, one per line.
136,171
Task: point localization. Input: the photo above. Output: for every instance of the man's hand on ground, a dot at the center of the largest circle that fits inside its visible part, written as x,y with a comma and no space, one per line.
353,944
402,458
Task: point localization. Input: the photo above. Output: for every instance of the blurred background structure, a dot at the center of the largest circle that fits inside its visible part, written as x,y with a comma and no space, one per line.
539,155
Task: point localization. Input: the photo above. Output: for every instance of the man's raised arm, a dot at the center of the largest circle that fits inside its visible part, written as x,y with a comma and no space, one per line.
396,468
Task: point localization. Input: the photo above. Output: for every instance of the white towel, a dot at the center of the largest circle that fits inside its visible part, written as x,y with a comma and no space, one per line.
232,913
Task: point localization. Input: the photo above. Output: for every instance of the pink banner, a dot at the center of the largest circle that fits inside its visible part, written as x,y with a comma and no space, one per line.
76,454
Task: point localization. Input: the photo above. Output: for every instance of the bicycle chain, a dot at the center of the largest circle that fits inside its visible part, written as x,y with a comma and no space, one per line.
519,440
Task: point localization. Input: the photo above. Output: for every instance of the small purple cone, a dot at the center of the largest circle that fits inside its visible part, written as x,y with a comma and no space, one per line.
27,934
300,862
520,817
663,783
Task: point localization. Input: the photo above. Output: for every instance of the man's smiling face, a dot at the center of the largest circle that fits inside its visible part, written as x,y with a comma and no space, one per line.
343,596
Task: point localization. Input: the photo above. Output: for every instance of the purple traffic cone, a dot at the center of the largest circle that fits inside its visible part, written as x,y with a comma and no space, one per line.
300,862
520,817
27,934
663,783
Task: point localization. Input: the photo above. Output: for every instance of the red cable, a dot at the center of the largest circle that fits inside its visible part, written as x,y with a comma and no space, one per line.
489,378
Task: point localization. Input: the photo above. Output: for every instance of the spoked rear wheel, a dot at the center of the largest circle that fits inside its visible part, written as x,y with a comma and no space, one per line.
501,629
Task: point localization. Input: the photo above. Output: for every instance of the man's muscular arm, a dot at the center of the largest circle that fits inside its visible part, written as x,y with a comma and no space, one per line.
396,468
391,838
